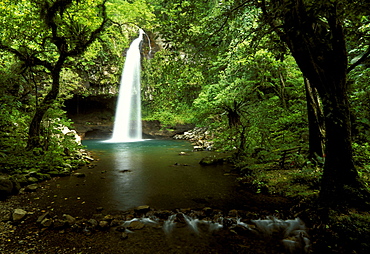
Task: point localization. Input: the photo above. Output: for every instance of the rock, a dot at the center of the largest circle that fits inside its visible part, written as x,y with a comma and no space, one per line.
42,217
136,225
198,148
108,217
70,220
93,223
6,187
199,138
115,223
142,209
54,173
5,215
121,229
124,236
18,214
32,173
79,174
125,171
32,179
240,230
47,222
88,158
65,172
32,187
59,224
43,177
99,209
211,160
163,214
21,179
16,187
104,225
182,153
233,213
207,211
98,216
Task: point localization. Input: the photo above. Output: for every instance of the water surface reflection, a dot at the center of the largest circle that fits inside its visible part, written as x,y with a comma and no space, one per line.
149,172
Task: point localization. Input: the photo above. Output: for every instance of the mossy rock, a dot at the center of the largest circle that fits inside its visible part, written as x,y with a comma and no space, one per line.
20,178
62,172
212,160
8,187
32,179
43,177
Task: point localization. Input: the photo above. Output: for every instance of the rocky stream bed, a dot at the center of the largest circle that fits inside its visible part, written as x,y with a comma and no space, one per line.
30,223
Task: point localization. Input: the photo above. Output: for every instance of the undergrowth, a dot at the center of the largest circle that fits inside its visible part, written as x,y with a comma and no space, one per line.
344,231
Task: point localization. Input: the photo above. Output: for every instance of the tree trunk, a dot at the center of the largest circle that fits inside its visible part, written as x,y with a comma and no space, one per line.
35,125
320,53
340,175
316,128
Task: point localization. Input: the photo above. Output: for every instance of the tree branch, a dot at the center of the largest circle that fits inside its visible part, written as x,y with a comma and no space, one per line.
82,45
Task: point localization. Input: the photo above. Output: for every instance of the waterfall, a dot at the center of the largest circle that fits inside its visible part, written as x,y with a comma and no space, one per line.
127,123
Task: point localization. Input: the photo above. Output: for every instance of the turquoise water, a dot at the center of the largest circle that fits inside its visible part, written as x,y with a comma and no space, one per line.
149,172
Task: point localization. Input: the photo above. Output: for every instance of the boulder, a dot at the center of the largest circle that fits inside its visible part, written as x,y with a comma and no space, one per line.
6,187
142,209
211,160
16,187
136,225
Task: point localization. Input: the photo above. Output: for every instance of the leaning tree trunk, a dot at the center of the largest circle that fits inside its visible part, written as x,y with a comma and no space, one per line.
35,125
316,129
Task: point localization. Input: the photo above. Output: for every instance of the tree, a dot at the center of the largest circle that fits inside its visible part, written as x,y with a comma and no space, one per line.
314,33
61,29
318,35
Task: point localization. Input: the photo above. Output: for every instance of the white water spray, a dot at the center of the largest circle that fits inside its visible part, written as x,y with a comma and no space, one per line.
127,123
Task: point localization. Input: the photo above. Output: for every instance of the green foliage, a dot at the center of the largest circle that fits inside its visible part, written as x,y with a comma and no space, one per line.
261,99
170,84
58,152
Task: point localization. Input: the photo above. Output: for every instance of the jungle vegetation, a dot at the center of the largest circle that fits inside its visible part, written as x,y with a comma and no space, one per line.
263,76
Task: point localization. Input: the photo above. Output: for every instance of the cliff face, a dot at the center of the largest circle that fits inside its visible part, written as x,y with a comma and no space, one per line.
93,118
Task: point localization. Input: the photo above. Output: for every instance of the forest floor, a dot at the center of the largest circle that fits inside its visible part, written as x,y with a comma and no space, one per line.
283,193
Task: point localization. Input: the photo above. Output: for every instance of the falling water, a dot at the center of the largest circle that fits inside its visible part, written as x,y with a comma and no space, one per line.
127,124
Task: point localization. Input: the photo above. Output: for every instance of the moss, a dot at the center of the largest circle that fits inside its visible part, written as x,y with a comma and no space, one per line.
351,230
